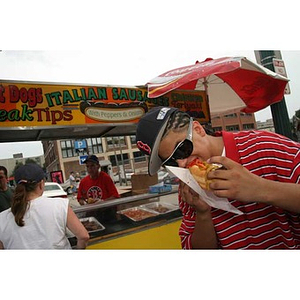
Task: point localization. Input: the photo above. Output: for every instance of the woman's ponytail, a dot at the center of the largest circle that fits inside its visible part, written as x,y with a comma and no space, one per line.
20,203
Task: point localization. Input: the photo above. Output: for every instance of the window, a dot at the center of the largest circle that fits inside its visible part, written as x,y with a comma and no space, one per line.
231,115
115,142
215,129
95,145
68,148
246,114
139,156
232,128
133,139
114,162
248,126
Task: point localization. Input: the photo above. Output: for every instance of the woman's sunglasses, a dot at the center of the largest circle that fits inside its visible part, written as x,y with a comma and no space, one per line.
183,150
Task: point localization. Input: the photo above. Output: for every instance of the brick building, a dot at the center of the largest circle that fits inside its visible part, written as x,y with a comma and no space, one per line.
233,122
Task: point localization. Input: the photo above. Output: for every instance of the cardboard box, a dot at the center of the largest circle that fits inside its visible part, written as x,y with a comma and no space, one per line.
140,183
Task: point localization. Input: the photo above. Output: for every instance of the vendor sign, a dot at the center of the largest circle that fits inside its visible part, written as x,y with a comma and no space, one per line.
53,104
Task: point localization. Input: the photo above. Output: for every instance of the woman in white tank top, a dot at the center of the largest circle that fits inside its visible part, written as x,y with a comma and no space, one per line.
35,221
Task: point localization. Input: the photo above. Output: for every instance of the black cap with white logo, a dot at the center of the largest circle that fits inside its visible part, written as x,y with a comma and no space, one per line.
149,132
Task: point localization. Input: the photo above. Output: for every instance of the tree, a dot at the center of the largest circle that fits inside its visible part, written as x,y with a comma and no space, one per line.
20,163
30,161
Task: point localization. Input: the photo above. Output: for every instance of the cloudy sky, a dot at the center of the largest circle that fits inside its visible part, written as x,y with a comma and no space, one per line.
126,48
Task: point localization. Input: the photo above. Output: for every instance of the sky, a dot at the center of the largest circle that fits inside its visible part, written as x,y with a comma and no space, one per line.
128,43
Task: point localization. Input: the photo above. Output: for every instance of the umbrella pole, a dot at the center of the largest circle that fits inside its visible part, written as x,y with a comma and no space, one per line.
209,126
279,110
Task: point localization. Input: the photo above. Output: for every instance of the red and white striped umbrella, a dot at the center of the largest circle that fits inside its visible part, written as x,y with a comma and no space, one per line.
231,83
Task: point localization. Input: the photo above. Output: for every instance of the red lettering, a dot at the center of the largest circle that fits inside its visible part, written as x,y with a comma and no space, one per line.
13,93
56,115
39,114
23,95
39,95
68,115
2,98
32,96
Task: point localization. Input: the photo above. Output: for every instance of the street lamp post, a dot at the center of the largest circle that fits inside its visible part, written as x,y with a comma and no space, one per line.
279,110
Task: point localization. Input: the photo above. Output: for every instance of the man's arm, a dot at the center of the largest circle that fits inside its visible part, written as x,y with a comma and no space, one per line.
76,227
237,182
80,197
203,235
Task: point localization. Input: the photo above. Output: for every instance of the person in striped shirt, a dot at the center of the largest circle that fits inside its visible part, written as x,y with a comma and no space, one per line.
261,179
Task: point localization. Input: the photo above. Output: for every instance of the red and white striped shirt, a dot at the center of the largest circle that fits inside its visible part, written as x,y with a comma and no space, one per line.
261,226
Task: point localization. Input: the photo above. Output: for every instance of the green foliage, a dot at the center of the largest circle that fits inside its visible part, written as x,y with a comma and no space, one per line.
20,163
30,161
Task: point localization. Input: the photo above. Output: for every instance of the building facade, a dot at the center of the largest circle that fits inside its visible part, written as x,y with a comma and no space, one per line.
65,156
267,125
233,122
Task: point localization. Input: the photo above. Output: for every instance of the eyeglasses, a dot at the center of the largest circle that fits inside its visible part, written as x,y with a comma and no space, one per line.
183,150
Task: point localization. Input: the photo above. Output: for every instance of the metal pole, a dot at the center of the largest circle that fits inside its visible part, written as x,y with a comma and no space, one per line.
117,161
87,147
122,160
279,110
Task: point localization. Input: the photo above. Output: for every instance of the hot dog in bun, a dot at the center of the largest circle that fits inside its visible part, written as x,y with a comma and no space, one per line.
199,169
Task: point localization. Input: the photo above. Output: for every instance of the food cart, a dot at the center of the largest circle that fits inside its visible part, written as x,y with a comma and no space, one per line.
32,111
145,221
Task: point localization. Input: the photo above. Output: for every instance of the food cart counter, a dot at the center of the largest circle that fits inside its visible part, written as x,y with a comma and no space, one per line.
146,221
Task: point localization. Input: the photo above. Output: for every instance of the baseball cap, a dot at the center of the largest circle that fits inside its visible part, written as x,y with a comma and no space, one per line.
149,132
29,173
92,158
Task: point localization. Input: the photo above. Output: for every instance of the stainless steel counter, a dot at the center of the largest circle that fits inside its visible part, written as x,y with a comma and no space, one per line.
117,226
124,200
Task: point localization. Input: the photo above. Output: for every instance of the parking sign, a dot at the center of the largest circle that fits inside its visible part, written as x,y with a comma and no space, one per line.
80,144
82,158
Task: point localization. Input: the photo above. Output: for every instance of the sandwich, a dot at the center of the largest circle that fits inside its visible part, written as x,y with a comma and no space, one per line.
90,200
199,169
